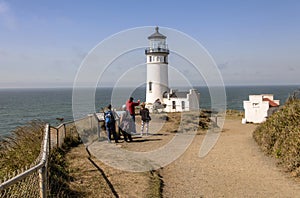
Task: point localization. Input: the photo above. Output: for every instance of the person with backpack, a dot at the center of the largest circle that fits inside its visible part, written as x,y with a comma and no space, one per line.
110,124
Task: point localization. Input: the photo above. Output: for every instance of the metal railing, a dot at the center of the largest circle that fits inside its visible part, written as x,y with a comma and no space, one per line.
156,50
34,181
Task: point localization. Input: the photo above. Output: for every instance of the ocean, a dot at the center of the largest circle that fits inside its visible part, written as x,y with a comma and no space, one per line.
19,106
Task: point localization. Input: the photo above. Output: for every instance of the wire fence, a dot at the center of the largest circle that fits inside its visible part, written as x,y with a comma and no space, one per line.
31,182
34,181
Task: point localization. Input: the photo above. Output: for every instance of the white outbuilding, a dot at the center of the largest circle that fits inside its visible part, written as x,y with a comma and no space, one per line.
259,107
159,97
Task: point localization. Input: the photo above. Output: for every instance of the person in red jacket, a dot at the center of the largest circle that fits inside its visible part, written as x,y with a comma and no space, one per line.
130,106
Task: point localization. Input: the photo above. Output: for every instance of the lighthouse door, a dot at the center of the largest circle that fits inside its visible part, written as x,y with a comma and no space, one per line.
173,104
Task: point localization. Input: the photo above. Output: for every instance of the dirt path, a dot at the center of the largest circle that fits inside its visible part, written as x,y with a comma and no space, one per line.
92,178
234,168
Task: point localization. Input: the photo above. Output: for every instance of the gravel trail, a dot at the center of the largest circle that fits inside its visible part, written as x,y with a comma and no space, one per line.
235,167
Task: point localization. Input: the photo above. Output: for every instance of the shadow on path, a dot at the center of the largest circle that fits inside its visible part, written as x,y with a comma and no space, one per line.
103,175
145,140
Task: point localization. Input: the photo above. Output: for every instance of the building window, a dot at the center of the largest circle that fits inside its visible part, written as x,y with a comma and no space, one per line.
255,105
150,86
182,105
173,104
150,58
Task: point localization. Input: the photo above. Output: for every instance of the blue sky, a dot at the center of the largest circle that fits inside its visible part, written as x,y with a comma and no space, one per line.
42,43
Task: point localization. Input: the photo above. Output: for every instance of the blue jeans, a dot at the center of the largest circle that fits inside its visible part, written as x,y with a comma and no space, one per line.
111,129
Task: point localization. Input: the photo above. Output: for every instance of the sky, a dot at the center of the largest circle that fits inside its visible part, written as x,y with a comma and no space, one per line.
43,43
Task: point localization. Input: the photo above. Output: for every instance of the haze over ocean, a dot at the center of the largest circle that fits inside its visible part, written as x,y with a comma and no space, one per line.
19,106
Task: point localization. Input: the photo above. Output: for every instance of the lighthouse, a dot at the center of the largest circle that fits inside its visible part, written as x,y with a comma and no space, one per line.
159,97
157,67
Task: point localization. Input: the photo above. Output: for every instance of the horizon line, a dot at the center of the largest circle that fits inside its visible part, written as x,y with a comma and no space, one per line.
175,86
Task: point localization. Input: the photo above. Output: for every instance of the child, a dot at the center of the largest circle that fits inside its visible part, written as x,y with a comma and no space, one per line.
145,117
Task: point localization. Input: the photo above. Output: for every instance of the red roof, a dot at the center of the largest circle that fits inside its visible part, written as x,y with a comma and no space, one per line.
271,102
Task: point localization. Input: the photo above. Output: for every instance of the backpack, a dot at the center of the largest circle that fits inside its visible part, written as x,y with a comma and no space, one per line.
109,117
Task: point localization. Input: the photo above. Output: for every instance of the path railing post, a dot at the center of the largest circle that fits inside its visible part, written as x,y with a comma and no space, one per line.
43,182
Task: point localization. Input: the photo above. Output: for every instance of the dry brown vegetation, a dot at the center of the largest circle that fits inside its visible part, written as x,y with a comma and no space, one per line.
234,114
279,136
21,149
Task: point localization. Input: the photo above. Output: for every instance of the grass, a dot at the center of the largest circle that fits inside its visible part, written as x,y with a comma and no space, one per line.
234,114
21,151
24,141
155,185
59,170
279,136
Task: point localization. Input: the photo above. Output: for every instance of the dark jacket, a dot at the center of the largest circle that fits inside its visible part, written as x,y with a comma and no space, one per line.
145,115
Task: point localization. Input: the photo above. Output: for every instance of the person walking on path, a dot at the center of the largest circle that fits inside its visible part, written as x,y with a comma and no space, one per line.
145,118
110,124
130,106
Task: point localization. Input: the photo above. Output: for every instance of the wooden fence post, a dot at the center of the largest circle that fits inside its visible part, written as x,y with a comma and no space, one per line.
42,182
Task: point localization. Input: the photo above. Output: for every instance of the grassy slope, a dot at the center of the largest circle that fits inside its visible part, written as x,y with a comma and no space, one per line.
279,136
25,141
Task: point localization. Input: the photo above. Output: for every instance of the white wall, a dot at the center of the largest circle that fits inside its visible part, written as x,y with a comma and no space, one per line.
157,74
178,104
191,102
256,110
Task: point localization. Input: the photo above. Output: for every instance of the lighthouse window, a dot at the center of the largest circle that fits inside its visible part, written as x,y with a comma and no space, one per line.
173,104
183,105
150,58
150,86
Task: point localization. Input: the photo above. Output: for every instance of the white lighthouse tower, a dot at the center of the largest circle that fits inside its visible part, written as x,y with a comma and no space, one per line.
157,68
159,97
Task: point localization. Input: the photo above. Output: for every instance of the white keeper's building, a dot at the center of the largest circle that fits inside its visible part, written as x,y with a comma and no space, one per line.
159,97
259,107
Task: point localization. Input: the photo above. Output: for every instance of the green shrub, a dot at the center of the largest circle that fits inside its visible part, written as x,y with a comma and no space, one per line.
279,136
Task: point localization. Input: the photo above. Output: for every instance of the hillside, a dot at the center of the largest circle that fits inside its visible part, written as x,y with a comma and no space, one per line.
279,136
